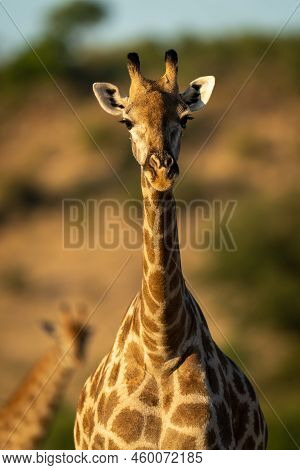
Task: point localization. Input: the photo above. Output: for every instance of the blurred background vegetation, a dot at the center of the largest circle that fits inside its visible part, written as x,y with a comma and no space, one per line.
50,134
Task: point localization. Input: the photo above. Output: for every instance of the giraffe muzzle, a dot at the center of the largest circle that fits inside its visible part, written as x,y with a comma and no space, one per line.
162,171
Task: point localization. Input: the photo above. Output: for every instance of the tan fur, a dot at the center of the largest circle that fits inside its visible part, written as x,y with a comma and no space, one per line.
24,419
165,384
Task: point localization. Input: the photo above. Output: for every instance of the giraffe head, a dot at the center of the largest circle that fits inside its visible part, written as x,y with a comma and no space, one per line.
155,114
70,332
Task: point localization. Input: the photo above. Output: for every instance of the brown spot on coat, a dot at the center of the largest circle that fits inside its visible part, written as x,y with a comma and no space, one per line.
101,381
156,284
84,445
135,323
149,324
210,438
225,384
124,331
207,343
94,384
149,343
81,400
238,383
114,374
98,443
189,443
149,246
256,422
149,395
156,359
224,424
100,408
134,376
150,303
112,445
134,354
135,367
175,336
212,379
177,440
189,377
128,424
190,414
242,420
249,443
88,422
167,400
222,358
106,406
152,429
250,389
151,215
167,391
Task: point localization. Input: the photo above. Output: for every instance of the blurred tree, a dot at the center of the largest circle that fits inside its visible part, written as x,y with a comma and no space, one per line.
55,48
74,16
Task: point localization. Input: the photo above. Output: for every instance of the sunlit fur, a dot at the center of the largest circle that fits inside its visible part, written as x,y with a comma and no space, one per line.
165,384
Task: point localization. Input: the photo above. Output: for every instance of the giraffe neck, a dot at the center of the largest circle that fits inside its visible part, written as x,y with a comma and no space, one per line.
24,418
163,289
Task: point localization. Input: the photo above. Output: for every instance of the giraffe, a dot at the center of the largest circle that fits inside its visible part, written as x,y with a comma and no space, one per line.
24,419
165,383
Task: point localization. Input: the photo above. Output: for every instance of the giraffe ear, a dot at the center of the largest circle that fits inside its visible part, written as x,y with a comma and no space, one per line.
48,327
109,98
198,92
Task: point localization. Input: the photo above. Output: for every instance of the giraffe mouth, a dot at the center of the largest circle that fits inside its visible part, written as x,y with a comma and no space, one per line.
163,179
161,176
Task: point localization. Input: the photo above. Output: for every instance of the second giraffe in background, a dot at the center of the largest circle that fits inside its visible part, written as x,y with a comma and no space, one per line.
25,418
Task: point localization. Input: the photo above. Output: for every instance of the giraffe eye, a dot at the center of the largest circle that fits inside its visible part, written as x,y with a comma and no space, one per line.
184,120
127,123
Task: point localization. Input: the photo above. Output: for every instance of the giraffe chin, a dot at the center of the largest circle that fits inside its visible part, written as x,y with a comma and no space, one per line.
161,180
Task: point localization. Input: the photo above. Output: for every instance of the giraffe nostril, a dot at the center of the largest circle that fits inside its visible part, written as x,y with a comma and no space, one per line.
168,161
165,161
155,161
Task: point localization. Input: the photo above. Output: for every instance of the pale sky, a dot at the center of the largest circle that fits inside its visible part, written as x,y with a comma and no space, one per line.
135,19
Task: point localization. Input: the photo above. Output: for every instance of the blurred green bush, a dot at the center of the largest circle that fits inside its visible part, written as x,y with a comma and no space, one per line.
266,262
60,432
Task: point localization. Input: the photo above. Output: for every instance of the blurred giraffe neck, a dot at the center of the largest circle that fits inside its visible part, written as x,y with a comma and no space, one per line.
24,418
